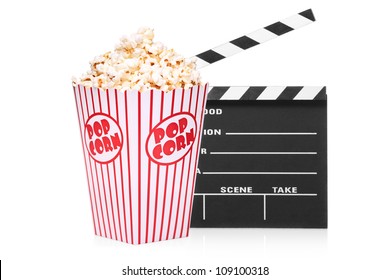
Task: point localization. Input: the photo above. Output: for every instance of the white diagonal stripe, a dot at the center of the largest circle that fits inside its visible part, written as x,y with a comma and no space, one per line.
234,93
227,49
262,35
200,63
271,93
308,93
296,21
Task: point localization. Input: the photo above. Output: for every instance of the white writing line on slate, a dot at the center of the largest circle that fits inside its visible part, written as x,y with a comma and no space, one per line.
263,153
271,133
259,173
259,194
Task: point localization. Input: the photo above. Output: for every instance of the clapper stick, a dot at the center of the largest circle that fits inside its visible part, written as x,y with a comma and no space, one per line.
255,38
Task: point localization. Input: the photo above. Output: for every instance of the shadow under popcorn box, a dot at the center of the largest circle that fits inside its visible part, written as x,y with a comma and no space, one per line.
141,151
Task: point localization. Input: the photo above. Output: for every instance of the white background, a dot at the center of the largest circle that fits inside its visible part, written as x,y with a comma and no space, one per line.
46,228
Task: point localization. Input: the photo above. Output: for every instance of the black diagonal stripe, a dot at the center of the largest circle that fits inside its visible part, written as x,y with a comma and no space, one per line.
321,95
216,93
279,28
289,93
308,14
210,56
252,93
244,42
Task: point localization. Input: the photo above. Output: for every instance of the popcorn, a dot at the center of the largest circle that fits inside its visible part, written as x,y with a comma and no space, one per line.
139,63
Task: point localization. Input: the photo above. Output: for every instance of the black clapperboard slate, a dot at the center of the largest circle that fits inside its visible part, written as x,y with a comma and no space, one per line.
263,158
267,146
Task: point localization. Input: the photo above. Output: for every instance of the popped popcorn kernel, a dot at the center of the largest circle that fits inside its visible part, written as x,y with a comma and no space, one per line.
139,63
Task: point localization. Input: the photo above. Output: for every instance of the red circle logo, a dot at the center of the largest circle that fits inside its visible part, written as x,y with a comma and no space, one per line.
103,137
171,139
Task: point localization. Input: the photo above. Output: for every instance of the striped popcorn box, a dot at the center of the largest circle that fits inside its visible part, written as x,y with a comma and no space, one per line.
141,152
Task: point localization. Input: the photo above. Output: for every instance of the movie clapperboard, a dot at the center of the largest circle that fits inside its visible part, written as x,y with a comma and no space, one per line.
263,157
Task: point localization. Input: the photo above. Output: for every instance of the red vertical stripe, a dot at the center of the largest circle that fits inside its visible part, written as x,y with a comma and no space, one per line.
108,172
163,207
128,166
158,174
112,205
115,177
117,202
86,104
139,167
93,102
85,160
172,195
149,166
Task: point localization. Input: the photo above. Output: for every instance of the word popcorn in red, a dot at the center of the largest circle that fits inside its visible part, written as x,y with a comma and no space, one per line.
171,139
103,138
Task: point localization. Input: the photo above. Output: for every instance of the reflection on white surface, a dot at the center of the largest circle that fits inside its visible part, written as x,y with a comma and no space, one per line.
208,244
260,242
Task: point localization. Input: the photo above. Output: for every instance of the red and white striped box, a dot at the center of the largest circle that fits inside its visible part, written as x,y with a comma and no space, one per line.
141,153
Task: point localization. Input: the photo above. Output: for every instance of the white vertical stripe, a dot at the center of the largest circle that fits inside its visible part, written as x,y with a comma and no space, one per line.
234,93
124,159
118,182
271,93
145,120
308,93
182,195
262,35
154,167
103,201
160,200
227,49
176,198
114,201
93,91
296,21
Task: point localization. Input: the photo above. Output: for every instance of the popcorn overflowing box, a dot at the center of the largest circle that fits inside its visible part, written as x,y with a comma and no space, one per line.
140,110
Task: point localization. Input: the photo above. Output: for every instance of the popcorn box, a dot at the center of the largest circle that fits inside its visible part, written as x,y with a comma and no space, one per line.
141,151
263,158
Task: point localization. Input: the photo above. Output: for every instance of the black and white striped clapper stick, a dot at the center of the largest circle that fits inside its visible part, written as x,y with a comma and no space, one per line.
266,93
255,38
